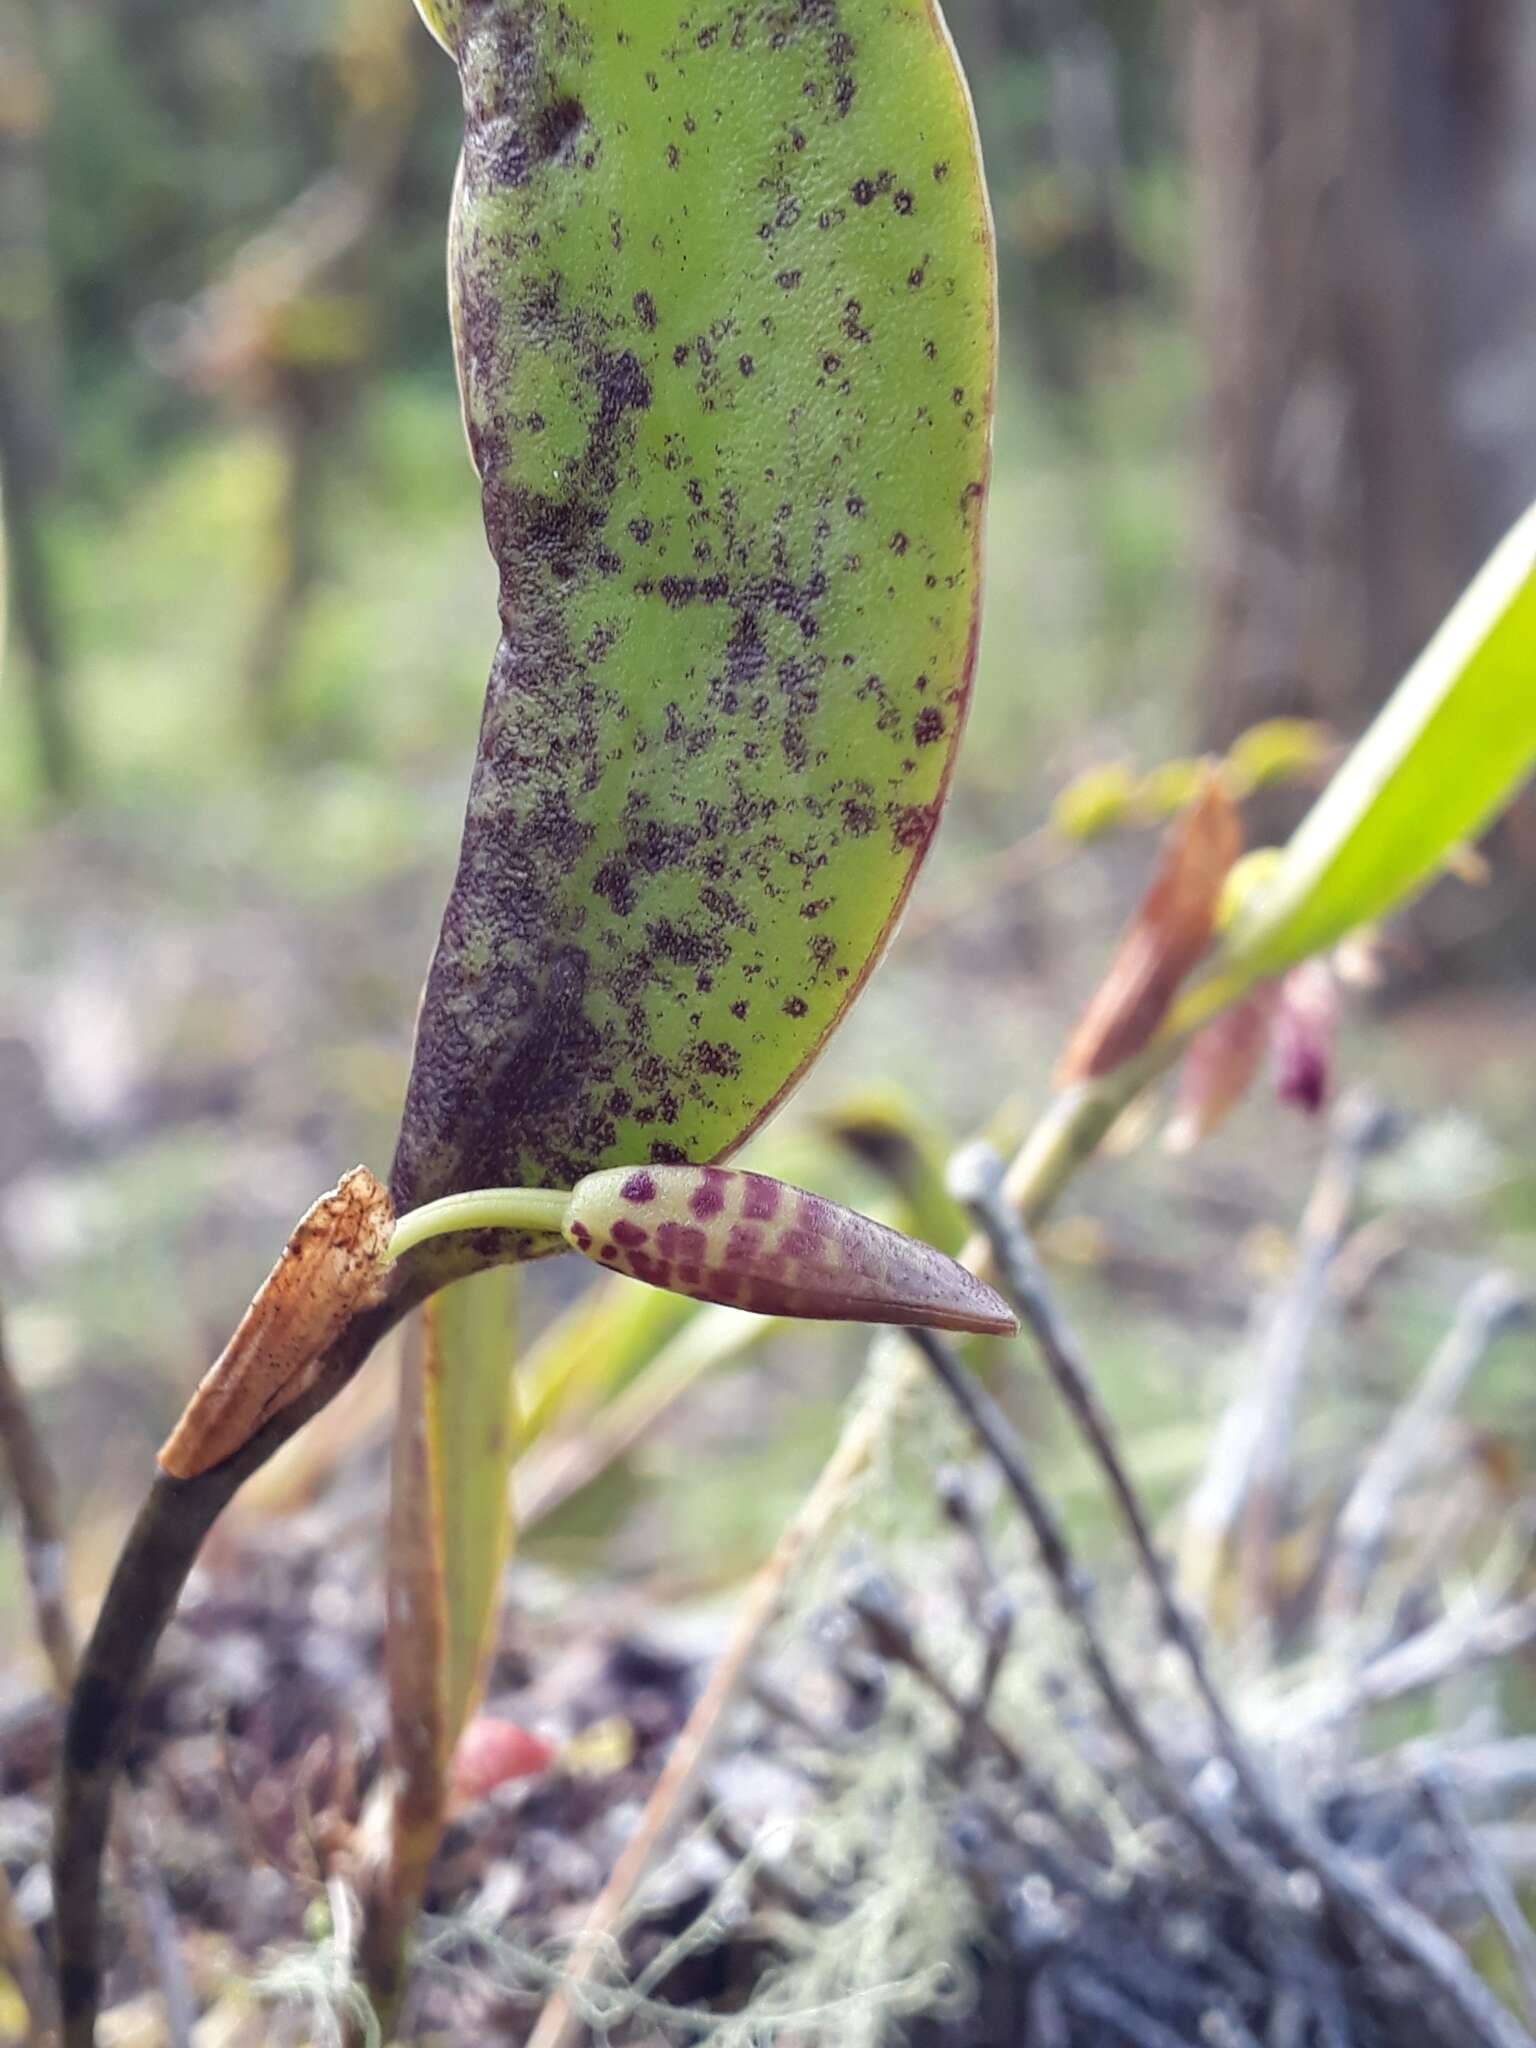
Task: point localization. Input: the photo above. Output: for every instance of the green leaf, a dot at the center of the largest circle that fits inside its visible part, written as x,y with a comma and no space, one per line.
724,307
1450,748
436,14
449,1532
600,1342
578,1449
449,1523
471,1436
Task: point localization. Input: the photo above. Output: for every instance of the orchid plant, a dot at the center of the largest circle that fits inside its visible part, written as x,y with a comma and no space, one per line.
724,316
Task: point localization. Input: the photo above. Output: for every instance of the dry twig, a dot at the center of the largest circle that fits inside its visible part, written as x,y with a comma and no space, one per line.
1072,1591
1490,1882
1245,1473
1459,1641
1490,1306
1352,1890
873,1601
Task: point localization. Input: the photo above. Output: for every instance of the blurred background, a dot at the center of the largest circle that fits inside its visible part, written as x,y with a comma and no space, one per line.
1268,397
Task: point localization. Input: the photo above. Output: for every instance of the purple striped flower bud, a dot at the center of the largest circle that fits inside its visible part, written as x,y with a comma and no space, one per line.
755,1243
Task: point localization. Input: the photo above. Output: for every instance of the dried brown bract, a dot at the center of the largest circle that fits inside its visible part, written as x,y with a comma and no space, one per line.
1174,923
331,1267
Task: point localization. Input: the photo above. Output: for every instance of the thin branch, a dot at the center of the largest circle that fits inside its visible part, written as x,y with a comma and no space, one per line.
1490,1882
1350,1889
1246,1468
1480,2016
976,1180
1071,1589
1359,1126
1105,2007
1492,1305
1496,1775
1512,1845
1458,1642
873,1602
156,1918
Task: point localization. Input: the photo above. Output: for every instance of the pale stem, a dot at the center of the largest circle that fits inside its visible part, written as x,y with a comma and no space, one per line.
539,1209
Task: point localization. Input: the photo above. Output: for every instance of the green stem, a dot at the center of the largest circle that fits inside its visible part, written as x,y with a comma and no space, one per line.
481,1209
1074,1125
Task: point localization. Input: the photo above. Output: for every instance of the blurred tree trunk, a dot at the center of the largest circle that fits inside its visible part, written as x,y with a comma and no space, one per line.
1365,272
29,441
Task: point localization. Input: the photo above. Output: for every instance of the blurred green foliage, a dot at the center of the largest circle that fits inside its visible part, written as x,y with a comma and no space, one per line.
180,131
181,128
178,140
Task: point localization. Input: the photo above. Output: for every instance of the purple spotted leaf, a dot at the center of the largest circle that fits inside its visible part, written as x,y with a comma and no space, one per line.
717,1234
723,304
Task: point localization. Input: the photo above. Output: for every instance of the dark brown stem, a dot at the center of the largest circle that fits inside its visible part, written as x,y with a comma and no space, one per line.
873,1602
156,1559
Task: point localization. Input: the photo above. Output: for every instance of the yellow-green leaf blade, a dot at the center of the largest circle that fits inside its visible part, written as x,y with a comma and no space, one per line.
1451,747
470,1428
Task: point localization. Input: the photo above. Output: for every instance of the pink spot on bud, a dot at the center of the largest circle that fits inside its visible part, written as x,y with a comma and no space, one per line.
681,1241
656,1272
689,1275
771,1297
640,1187
760,1198
629,1234
708,1198
802,1244
742,1246
581,1237
609,1251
